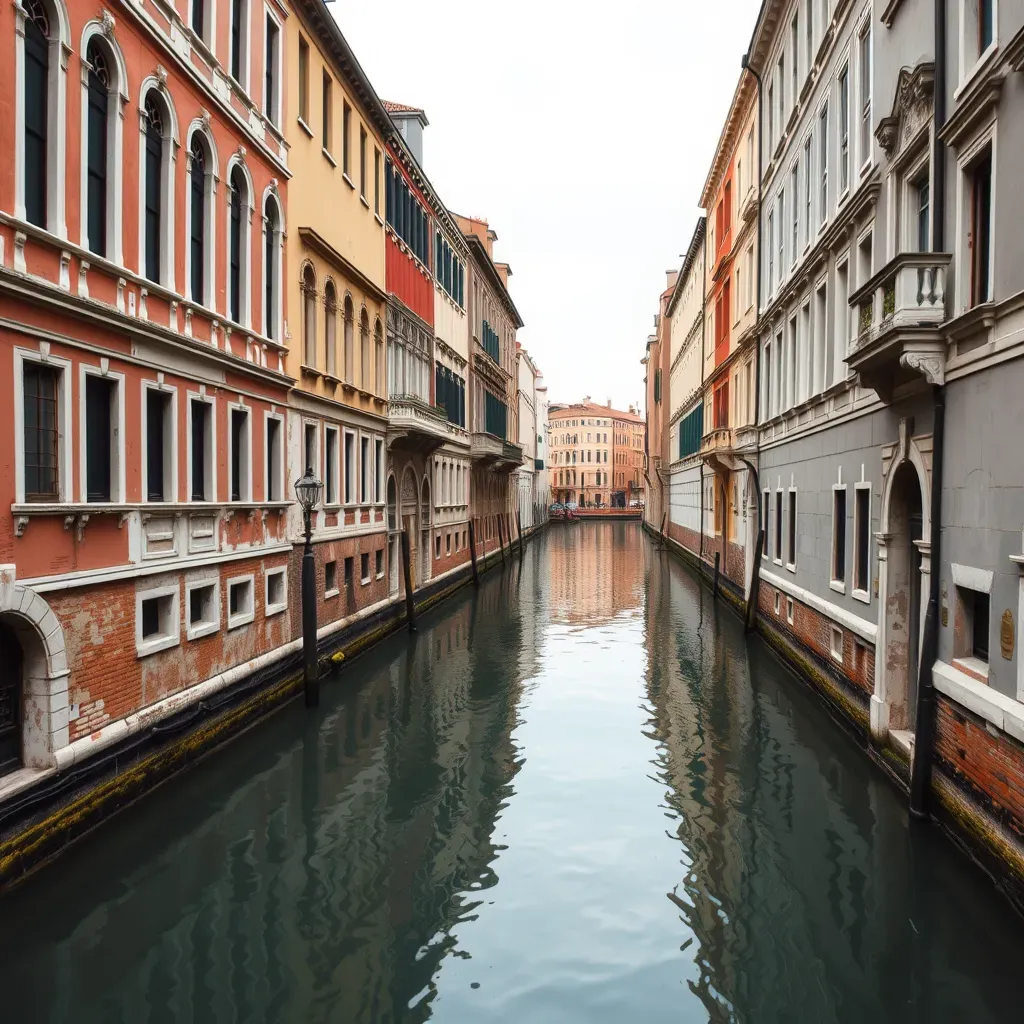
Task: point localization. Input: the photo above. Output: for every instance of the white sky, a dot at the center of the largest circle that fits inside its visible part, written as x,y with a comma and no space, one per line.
583,136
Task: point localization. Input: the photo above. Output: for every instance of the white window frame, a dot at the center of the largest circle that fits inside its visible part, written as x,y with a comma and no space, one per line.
117,446
378,470
279,470
383,563
843,190
170,442
210,178
242,618
245,269
838,585
368,578
205,627
859,594
789,609
167,639
822,175
245,498
780,532
835,643
168,195
245,36
274,330
365,484
348,498
209,36
791,511
332,500
968,67
967,155
336,589
865,29
277,102
65,464
276,607
211,442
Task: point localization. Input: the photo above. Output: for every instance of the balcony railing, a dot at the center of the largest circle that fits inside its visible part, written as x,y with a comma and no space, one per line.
909,291
415,422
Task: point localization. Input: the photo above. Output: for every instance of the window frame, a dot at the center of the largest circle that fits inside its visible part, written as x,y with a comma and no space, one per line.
861,593
271,608
210,458
777,557
865,97
273,107
349,496
64,405
170,445
791,534
277,470
243,618
117,446
837,582
206,627
333,462
245,463
171,637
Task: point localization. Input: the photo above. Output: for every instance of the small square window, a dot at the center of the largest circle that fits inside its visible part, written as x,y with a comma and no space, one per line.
330,578
972,629
364,567
157,620
277,591
349,562
203,609
380,562
836,644
789,610
241,607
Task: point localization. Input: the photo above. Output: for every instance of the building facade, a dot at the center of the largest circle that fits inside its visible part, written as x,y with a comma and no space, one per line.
627,458
584,439
145,382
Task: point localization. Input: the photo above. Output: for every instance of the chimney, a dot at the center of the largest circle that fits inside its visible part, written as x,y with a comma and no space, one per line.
504,272
609,403
410,122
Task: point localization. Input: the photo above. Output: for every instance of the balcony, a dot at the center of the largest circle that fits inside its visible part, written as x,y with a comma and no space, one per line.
748,205
491,451
899,313
724,448
414,425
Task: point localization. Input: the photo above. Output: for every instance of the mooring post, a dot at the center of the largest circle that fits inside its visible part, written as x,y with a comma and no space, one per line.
472,553
501,543
718,556
519,523
410,605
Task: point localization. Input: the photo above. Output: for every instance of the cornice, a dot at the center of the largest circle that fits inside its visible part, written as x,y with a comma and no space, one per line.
477,249
684,273
743,96
315,241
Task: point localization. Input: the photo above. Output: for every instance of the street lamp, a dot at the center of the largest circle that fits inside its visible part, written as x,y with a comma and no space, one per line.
307,492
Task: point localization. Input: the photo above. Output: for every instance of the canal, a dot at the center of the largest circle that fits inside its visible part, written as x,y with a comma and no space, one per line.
577,795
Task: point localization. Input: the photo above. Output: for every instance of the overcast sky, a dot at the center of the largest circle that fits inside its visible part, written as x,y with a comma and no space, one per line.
583,133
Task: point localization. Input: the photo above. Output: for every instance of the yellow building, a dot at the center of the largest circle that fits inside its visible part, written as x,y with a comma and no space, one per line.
335,126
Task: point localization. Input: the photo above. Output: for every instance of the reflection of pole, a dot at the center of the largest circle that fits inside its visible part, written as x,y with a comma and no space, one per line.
472,552
519,522
501,542
718,555
410,606
750,615
311,681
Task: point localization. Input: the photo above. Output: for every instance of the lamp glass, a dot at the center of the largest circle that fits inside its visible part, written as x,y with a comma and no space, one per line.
307,491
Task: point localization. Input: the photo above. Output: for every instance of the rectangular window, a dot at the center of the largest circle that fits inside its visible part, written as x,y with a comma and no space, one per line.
159,446
346,122
771,117
795,215
240,455
979,625
350,468
986,24
364,567
808,191
277,591
275,461
362,161
921,192
330,578
310,449
861,537
376,181
979,241
241,604
823,165
771,252
238,18
157,623
864,43
349,566
100,437
780,209
794,45
379,562
202,455
778,526
844,129
303,80
331,466
842,329
791,531
766,524
203,609
364,470
42,433
325,127
378,476
270,102
839,535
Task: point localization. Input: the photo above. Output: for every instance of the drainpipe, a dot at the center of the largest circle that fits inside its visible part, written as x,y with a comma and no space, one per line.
750,616
924,741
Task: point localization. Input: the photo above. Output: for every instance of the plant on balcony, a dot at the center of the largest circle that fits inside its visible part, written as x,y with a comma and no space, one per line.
866,316
889,301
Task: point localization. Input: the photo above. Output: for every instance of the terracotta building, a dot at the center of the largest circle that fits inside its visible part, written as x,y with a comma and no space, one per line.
588,443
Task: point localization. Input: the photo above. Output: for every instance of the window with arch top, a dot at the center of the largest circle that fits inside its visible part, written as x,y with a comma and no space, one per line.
273,225
36,88
237,247
156,124
378,346
200,170
331,327
96,155
309,315
364,350
349,344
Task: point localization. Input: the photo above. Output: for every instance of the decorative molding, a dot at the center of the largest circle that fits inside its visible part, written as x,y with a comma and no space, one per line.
931,366
911,108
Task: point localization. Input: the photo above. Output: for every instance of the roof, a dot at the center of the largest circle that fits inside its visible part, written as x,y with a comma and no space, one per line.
684,272
557,410
742,100
403,108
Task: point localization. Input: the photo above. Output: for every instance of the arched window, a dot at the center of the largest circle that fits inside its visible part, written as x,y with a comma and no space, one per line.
349,355
365,377
309,315
237,249
273,226
331,327
153,222
378,346
36,85
197,218
97,148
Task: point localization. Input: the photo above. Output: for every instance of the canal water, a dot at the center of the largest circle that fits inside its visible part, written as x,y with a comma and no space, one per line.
577,795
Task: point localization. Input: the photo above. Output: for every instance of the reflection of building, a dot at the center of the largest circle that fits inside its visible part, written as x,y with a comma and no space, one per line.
596,570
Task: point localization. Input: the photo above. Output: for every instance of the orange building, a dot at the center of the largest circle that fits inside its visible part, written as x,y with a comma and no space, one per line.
628,458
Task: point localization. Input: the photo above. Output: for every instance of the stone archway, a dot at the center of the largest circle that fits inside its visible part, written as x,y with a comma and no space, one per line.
904,572
43,698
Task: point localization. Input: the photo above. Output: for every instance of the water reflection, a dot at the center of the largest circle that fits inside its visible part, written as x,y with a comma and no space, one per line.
576,795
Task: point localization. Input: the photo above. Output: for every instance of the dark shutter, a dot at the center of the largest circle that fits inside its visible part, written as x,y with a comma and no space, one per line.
236,40
96,153
238,419
41,434
156,405
235,247
198,451
197,17
197,226
154,165
271,67
36,69
269,270
98,438
273,440
840,538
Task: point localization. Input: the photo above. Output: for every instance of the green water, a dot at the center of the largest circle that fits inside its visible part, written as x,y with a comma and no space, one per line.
576,796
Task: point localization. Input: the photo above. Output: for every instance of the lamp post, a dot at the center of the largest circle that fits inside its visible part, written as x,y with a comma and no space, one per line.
307,492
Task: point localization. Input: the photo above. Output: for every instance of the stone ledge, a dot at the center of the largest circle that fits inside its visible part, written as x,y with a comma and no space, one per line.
1005,713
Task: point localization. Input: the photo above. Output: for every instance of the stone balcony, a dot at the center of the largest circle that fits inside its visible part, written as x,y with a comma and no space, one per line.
899,313
724,448
414,424
494,452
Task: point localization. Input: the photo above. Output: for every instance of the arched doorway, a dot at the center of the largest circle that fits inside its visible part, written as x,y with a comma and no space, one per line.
394,553
904,570
753,526
409,523
10,700
425,530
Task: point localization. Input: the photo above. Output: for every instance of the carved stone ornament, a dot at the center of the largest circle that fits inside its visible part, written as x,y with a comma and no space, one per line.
911,109
930,365
108,24
161,74
1006,635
